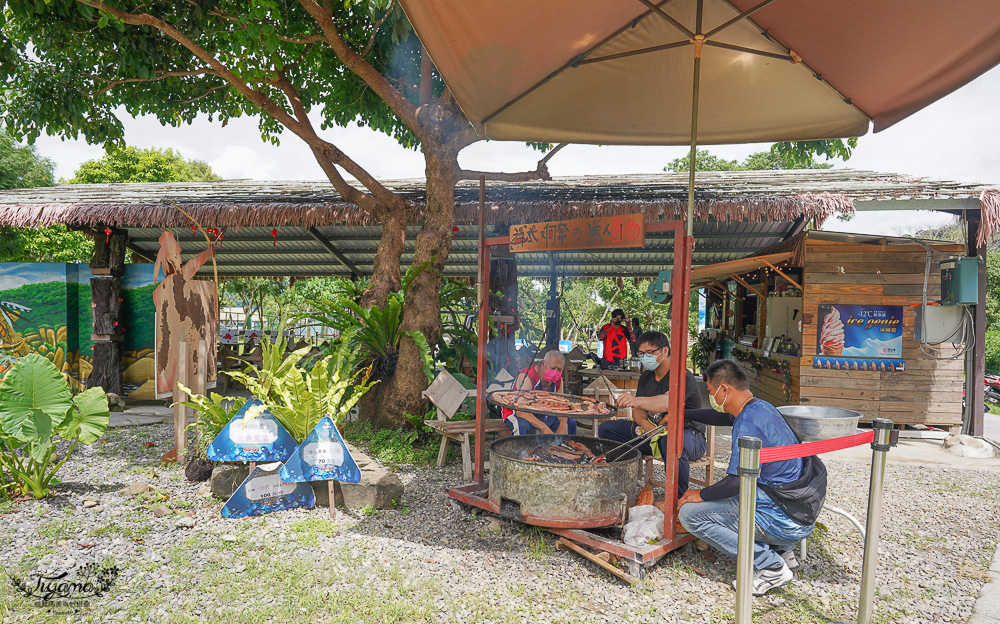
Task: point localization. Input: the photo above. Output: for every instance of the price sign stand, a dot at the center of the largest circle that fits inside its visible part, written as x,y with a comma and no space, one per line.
263,491
253,439
322,456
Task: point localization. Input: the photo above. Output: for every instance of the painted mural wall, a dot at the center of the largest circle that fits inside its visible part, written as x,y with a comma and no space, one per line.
45,308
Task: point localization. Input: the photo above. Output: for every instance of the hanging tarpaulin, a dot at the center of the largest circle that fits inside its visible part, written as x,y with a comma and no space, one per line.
323,456
596,233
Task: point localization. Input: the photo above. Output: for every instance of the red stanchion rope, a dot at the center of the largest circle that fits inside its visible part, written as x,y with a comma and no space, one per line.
780,453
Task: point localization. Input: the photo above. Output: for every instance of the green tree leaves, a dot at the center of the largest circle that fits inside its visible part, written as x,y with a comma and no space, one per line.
792,155
33,391
22,167
131,164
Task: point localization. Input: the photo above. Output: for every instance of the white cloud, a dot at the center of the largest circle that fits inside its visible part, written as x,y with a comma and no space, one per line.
889,222
240,161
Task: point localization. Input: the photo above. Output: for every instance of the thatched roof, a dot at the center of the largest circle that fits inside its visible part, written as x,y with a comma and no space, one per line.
721,196
316,233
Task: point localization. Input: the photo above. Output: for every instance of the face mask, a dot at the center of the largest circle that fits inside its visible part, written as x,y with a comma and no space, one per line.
716,406
649,361
552,375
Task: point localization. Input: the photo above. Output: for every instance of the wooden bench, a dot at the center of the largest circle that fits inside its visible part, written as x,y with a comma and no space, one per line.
447,395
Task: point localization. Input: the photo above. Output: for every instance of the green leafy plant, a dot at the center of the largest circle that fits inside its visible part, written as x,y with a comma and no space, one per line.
298,397
394,447
212,415
36,409
379,328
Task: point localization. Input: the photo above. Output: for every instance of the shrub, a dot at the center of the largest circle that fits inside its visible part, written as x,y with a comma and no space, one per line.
37,409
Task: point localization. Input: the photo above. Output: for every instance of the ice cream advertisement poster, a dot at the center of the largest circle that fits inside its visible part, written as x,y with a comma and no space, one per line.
860,337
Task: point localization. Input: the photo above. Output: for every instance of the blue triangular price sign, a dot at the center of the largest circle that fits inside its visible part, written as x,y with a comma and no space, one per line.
323,456
263,492
260,439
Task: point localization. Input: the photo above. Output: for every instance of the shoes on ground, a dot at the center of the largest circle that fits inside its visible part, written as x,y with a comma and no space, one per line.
766,580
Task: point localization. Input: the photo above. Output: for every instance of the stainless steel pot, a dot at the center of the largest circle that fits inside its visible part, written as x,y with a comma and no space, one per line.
562,495
815,422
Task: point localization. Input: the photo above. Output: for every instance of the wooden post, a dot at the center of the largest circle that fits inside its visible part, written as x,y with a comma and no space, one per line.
108,265
553,322
180,411
483,338
725,312
503,280
333,504
762,310
975,359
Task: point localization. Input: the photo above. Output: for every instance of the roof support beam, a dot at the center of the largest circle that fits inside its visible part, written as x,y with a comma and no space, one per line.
782,274
746,285
355,272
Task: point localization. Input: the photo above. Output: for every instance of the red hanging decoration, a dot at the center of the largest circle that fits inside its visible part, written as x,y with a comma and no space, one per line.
454,232
274,238
107,235
194,230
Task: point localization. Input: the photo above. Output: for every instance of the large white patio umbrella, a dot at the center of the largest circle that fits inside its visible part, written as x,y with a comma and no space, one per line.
678,72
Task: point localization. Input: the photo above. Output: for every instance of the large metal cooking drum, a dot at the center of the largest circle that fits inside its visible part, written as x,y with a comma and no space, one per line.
815,422
562,495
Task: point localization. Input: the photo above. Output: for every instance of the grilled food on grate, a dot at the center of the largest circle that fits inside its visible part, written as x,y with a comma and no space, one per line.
569,452
550,402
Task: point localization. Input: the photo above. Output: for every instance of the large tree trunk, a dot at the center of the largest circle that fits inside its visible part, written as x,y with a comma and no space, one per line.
401,393
385,270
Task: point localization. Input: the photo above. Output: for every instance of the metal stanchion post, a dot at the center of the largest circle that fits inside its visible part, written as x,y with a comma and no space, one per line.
881,443
749,470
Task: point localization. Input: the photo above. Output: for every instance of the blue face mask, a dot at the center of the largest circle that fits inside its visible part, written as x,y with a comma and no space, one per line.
649,361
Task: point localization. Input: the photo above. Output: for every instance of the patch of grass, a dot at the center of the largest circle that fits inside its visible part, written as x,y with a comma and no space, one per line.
311,529
7,505
57,530
393,447
538,543
128,532
36,552
152,497
369,510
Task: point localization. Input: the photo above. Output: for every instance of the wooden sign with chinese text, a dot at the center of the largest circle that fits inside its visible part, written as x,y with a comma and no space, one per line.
595,233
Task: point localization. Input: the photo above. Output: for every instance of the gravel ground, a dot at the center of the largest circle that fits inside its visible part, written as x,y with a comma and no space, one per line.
429,562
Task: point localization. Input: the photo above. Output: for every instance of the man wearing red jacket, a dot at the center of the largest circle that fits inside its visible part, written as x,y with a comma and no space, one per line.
617,335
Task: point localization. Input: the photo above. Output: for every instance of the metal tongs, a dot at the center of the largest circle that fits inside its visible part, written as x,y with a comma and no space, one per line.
639,439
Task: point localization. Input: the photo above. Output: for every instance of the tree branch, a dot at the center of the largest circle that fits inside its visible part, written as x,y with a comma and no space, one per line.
160,75
371,40
328,154
302,128
403,108
541,172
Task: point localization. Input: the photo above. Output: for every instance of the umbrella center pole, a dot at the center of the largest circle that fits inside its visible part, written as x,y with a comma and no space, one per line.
698,42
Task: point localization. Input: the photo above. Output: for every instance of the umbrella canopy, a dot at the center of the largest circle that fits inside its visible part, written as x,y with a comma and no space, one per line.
622,71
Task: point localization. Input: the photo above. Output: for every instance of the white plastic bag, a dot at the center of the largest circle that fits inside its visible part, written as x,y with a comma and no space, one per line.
645,525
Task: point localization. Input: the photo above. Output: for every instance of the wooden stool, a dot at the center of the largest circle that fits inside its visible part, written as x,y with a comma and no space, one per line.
460,431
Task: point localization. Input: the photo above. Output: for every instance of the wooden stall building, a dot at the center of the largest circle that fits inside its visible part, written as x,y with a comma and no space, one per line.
832,319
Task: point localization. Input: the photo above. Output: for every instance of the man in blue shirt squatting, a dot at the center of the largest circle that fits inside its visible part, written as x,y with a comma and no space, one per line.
793,487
